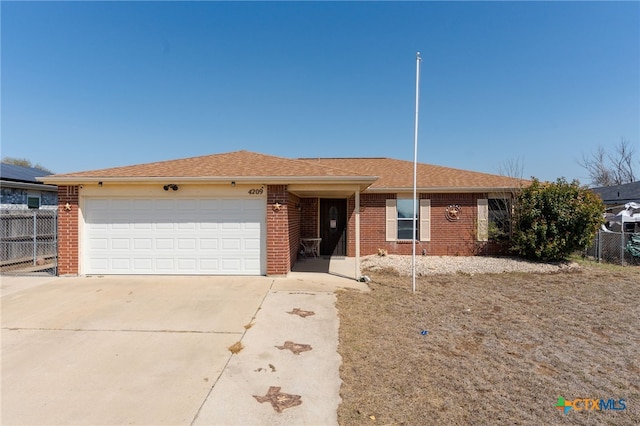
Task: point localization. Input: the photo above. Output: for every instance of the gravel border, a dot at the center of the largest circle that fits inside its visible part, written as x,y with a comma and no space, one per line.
439,265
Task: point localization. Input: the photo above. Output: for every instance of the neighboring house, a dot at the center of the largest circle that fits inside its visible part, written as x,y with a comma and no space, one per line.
244,213
19,189
615,197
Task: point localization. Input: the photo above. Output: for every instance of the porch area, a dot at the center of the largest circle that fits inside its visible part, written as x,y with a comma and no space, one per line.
322,227
340,266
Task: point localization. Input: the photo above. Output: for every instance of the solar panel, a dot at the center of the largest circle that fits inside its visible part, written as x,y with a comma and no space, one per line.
20,173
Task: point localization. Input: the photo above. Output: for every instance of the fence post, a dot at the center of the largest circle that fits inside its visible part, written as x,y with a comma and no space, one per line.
600,244
35,238
622,245
55,240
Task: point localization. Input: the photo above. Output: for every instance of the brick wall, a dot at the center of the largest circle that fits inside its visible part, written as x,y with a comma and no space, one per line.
294,209
309,217
453,238
67,230
278,238
448,238
286,225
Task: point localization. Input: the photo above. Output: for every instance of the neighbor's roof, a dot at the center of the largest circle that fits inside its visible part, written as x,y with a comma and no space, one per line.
378,174
398,174
619,194
15,173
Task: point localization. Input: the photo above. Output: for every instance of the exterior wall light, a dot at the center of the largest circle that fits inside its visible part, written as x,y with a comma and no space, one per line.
170,186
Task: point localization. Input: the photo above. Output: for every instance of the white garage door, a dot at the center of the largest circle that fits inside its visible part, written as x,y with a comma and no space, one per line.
174,236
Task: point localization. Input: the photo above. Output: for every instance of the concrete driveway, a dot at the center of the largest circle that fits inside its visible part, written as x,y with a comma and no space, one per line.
154,350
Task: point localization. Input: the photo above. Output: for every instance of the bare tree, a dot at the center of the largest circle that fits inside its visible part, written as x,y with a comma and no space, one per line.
513,169
501,203
24,163
623,163
611,168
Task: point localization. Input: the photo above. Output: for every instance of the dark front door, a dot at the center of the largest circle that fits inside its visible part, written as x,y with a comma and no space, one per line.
333,227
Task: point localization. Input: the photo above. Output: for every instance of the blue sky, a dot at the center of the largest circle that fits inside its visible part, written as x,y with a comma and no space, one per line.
95,85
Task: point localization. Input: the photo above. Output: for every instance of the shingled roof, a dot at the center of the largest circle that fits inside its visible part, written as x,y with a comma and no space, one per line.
619,194
231,165
398,174
376,173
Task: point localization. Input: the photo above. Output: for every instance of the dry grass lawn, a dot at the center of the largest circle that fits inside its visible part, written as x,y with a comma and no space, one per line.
499,348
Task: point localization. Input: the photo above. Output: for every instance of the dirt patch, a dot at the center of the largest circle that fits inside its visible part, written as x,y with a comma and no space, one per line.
491,348
236,348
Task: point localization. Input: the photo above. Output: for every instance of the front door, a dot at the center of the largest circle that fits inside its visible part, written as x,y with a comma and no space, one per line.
333,227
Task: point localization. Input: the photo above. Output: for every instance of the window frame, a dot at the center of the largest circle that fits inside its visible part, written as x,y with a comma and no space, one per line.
32,197
502,213
423,219
409,219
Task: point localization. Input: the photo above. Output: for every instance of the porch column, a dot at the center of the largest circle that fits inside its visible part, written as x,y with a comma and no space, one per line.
278,243
68,241
357,197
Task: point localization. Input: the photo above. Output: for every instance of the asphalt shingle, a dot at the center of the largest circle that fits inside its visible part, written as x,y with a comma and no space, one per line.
382,172
232,164
399,174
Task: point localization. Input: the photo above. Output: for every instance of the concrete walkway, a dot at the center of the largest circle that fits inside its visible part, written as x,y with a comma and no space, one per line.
153,350
340,266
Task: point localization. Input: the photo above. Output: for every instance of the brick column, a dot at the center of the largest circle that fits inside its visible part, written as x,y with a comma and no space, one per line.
67,230
278,250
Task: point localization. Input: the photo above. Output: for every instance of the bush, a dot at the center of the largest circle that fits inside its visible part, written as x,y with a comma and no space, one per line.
553,220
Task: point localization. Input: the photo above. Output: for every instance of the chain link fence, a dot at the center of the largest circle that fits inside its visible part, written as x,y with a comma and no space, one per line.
622,248
28,241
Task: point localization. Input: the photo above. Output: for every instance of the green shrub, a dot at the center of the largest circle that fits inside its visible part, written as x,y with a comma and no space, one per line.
553,220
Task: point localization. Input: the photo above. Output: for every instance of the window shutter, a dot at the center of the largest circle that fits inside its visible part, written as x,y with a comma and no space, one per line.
392,220
483,219
425,220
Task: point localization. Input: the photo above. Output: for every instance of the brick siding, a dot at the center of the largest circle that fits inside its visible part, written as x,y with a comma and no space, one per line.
67,230
309,217
298,217
294,209
453,238
448,238
279,249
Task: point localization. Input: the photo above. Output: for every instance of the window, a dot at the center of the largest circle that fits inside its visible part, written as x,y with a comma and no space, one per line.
404,208
33,202
494,219
399,214
499,219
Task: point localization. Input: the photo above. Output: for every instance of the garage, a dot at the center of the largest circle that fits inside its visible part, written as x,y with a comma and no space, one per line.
174,236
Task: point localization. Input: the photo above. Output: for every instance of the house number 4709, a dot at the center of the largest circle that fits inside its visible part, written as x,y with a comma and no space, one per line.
256,191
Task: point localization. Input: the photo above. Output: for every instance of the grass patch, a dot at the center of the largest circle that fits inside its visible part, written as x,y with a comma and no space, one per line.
498,348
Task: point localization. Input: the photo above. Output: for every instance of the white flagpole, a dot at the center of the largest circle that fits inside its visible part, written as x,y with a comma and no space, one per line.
415,175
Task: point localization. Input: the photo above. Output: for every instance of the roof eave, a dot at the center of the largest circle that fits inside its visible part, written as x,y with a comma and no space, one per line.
442,189
77,180
28,185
